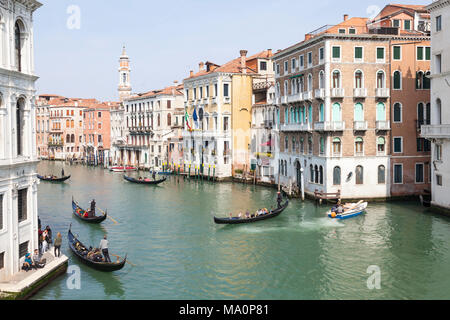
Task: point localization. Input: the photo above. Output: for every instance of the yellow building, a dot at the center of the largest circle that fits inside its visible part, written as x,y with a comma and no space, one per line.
218,114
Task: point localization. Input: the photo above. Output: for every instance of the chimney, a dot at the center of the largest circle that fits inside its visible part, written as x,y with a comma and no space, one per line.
200,66
243,61
345,17
191,74
269,53
308,36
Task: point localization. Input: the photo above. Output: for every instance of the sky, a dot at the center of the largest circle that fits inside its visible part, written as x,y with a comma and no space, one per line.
78,42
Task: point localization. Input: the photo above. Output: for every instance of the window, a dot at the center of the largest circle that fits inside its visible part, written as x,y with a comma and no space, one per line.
397,52
22,204
337,176
438,152
352,31
336,147
225,124
18,46
407,24
439,180
226,88
342,31
293,64
310,62
398,145
398,173
169,119
438,63
336,79
380,80
359,112
358,79
381,145
419,53
396,23
286,67
359,146
263,66
420,173
2,260
397,80
438,23
278,72
322,146
23,249
302,61
20,125
321,54
381,174
359,173
381,112
321,113
380,54
1,212
336,51
358,53
397,112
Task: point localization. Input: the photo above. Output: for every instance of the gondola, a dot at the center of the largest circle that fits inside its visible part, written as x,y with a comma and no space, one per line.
236,220
54,179
79,212
144,181
101,266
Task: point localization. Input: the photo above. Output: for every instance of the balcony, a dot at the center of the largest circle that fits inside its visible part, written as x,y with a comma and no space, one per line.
214,100
330,126
284,99
226,100
436,131
382,93
360,125
268,124
295,98
337,92
319,94
360,93
307,96
382,125
295,127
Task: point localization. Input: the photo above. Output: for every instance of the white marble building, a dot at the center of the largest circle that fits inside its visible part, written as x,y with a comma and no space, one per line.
18,157
439,130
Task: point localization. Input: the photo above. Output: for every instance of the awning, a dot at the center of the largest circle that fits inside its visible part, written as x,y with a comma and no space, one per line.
267,144
297,76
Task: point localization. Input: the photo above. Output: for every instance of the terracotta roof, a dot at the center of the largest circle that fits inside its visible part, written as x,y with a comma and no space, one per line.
154,93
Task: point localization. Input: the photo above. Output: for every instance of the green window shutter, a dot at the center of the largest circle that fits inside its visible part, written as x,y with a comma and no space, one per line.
419,53
336,52
407,24
358,53
428,53
380,53
397,53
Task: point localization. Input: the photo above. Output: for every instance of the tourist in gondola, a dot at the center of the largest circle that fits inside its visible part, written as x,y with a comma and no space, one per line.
247,215
57,245
279,199
104,248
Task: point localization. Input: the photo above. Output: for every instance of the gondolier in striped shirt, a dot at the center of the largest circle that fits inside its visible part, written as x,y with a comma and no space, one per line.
104,248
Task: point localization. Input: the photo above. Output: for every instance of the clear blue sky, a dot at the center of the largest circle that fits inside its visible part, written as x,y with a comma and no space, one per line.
166,39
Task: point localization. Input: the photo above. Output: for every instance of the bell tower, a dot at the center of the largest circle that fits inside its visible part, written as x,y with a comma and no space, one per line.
124,76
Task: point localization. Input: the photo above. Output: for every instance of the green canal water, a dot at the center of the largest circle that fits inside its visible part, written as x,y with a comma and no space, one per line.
169,235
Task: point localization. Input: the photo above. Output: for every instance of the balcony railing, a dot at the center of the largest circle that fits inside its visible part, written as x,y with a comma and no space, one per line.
319,94
330,126
284,99
383,125
360,125
360,92
295,97
293,127
337,92
226,100
382,93
268,124
436,131
308,95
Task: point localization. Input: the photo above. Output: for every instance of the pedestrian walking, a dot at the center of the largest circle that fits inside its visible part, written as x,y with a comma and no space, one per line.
57,244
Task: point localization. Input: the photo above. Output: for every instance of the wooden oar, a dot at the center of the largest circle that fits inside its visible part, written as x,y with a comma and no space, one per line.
115,255
108,216
355,205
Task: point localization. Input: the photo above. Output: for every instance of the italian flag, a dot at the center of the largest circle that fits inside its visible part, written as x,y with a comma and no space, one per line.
187,121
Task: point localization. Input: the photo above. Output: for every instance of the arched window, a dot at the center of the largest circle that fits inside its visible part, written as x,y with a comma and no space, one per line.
322,146
67,123
310,145
397,80
381,145
310,82
359,146
381,81
320,175
286,115
426,80
316,174
20,125
336,79
310,115
381,174
337,176
321,113
68,138
359,112
420,114
381,112
311,173
159,120
337,112
169,119
336,147
397,112
359,173
438,111
428,114
359,79
18,44
419,79
321,80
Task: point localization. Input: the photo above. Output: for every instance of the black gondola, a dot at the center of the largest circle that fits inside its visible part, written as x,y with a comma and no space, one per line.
144,181
54,179
79,213
235,220
101,266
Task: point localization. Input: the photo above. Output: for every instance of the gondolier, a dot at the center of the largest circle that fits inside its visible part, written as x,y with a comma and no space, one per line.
104,248
62,172
92,211
279,199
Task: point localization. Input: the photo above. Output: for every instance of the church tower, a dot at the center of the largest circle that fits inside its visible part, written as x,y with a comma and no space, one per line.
124,76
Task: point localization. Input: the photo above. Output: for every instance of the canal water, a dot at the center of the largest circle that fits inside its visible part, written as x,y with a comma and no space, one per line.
178,252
